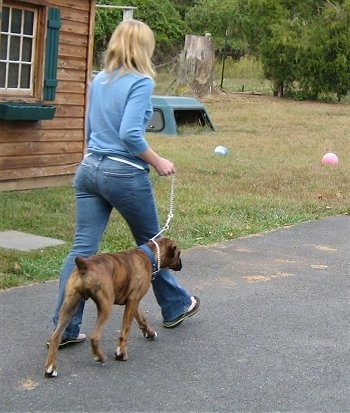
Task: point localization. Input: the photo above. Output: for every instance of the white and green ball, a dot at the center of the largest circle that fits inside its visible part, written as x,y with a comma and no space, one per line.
221,150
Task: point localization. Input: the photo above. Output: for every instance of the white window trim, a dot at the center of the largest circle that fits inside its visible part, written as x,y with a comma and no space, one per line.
18,91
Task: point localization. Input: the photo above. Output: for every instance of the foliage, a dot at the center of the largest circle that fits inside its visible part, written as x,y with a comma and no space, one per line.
325,67
162,17
304,46
279,41
182,6
105,22
223,20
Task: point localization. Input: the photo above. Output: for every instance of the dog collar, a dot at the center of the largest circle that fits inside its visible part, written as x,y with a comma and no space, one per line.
150,255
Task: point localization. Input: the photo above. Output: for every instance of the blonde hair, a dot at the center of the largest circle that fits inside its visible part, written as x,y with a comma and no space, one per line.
130,49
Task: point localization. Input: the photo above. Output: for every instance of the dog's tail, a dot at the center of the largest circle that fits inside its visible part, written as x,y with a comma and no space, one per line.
81,265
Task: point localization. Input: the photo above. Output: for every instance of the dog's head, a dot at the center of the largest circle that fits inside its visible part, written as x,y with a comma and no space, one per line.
170,254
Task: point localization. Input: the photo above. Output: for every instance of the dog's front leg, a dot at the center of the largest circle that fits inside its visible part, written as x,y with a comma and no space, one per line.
129,313
69,307
146,329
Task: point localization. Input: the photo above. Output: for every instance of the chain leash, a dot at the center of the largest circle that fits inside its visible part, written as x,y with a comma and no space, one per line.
171,209
167,223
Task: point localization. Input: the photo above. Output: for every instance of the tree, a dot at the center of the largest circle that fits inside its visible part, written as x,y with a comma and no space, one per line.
325,67
219,18
105,22
304,46
182,6
276,33
162,17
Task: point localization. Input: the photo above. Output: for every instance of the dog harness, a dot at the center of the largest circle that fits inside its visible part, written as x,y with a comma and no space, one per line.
145,248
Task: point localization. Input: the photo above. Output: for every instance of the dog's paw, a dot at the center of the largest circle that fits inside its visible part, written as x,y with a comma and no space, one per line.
50,373
100,359
120,356
150,336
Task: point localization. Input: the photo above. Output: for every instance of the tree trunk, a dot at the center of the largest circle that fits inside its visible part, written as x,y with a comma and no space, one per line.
195,69
278,89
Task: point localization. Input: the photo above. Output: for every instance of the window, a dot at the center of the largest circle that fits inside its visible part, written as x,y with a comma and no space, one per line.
18,50
29,51
192,118
156,124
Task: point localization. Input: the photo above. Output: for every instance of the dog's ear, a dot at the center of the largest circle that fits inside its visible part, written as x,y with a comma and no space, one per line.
172,251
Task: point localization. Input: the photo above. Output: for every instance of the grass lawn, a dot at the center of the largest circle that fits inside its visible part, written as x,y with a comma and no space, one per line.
272,177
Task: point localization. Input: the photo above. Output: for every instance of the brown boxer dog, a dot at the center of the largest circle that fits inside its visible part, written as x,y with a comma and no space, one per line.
114,278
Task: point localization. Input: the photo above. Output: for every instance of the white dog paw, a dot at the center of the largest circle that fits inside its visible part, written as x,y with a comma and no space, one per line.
149,336
49,373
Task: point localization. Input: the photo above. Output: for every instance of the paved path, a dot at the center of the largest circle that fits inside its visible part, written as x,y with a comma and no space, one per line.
273,334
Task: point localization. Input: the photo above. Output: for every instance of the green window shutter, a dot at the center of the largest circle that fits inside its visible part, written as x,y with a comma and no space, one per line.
51,56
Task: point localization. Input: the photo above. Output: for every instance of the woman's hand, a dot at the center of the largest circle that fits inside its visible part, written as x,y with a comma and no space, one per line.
161,165
164,167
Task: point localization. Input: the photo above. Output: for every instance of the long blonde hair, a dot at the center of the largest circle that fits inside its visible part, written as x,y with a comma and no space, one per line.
130,49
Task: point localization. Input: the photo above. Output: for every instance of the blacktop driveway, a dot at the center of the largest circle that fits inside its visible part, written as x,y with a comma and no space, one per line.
272,335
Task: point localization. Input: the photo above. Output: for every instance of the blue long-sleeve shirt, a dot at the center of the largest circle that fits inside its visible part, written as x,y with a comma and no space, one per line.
119,110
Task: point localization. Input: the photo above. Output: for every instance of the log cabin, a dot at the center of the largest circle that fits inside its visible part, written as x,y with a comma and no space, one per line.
46,57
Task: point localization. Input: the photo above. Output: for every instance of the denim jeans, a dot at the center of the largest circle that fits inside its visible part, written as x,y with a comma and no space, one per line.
100,185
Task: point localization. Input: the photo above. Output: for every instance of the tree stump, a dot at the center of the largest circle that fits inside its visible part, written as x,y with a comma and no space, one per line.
195,68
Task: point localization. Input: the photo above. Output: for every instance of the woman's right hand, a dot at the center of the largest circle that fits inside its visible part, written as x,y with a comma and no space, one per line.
161,165
164,167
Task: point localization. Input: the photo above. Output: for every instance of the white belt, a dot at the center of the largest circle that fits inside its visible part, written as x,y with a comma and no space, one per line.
113,158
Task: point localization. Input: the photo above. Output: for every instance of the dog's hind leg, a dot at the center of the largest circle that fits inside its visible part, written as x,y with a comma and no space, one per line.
104,309
129,313
69,307
142,322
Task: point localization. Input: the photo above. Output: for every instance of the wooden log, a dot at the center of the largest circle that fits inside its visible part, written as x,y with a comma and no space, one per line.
37,182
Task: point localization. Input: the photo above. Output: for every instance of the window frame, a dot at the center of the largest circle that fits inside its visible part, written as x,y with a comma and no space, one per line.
157,121
35,93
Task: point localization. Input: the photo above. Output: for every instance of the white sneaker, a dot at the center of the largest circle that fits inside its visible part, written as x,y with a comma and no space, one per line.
68,341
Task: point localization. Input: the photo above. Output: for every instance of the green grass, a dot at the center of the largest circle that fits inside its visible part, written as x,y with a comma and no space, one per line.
272,177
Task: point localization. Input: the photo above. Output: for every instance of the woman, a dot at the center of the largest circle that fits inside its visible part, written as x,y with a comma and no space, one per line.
115,170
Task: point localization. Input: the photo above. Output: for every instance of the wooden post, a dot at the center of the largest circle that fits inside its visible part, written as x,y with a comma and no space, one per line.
195,70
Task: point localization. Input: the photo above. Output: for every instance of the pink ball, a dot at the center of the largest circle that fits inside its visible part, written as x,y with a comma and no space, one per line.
330,159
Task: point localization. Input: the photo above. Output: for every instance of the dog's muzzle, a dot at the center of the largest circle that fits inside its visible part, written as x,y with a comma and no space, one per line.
178,266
